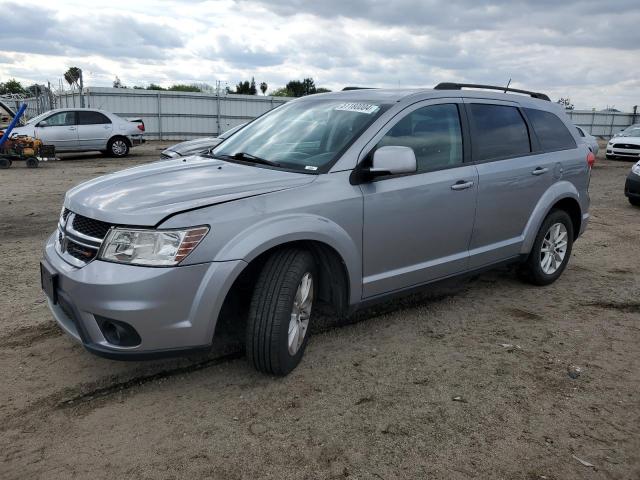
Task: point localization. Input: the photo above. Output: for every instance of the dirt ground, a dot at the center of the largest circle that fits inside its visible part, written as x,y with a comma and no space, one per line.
467,381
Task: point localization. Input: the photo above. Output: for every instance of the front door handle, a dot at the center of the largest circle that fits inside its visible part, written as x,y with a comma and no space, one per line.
461,185
539,171
72,128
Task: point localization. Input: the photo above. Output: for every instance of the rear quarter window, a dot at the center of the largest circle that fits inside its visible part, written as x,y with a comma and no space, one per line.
552,133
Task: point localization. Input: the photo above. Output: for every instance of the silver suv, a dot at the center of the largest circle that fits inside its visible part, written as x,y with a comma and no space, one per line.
341,198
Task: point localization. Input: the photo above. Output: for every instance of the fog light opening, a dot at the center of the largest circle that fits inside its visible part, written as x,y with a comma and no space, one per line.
118,333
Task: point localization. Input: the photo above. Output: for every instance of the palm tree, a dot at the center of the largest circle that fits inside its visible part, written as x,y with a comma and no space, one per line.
73,76
263,88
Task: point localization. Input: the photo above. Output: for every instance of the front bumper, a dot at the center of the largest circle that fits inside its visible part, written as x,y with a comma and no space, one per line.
632,186
173,310
623,152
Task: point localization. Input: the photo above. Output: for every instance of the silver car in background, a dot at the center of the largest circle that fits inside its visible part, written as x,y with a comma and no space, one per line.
590,140
198,145
341,199
83,130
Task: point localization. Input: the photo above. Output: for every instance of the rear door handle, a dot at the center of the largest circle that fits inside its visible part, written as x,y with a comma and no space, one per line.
461,185
539,171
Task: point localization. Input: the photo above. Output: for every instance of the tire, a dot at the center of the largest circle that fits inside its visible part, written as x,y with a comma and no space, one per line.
118,147
538,269
32,162
610,157
634,201
281,281
5,163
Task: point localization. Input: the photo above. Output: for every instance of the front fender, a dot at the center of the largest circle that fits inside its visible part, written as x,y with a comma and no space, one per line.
556,192
274,231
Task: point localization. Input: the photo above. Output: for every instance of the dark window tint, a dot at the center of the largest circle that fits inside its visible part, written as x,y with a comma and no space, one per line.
61,119
92,118
552,133
499,132
433,133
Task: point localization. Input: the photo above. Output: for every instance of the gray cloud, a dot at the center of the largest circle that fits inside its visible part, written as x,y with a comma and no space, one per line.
110,36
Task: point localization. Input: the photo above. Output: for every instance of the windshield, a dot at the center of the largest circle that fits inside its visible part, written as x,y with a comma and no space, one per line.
38,118
631,132
307,135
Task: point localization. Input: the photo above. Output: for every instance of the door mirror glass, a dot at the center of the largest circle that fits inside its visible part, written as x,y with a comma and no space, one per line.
43,123
393,160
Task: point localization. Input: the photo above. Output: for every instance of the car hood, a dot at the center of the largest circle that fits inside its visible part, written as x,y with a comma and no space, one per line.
147,194
621,139
195,146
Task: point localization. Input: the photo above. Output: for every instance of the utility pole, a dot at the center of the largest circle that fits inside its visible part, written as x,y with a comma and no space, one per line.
81,90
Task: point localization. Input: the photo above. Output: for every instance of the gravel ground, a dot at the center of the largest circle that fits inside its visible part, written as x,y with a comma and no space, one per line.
470,380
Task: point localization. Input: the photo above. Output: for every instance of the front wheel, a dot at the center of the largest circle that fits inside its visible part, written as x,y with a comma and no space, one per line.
551,249
634,201
280,311
118,147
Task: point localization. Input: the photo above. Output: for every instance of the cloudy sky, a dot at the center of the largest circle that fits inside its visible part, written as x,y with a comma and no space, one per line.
586,50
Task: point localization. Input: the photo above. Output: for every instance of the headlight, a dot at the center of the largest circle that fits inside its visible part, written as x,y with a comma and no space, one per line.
636,168
161,248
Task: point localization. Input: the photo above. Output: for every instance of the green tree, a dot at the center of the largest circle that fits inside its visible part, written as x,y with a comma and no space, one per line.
263,87
180,87
252,88
281,92
154,86
12,86
243,88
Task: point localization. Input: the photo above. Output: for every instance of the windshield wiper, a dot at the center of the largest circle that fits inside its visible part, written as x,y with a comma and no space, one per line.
247,157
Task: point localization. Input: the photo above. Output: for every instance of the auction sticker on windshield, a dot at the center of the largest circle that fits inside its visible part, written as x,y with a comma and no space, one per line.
358,107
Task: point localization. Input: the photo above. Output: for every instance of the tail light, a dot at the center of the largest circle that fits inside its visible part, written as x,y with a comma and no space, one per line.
591,159
141,127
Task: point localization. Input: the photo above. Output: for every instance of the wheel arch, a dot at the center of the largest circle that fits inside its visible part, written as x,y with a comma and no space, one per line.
561,195
116,136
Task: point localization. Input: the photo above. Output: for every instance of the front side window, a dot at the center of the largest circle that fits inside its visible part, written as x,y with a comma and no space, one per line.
61,119
499,132
551,131
433,133
304,135
92,118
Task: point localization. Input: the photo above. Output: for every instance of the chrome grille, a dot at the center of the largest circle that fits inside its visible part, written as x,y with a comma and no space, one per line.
79,237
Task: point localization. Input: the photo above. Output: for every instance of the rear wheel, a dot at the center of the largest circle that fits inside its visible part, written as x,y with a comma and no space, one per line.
551,249
5,162
32,162
280,311
118,147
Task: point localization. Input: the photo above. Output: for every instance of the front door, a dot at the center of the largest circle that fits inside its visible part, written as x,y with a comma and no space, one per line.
417,227
59,129
94,130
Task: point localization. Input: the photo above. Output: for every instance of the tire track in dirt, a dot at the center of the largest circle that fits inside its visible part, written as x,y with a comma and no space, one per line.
27,336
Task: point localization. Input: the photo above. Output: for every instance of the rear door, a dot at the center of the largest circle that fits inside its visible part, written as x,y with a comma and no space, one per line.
59,129
417,227
94,130
512,178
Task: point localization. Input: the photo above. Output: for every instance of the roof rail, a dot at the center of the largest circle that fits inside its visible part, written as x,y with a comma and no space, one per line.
460,86
346,89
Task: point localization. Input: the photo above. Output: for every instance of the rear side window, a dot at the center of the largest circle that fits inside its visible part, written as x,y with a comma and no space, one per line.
552,133
92,118
499,132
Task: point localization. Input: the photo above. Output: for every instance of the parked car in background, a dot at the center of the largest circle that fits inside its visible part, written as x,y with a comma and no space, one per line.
625,144
85,129
590,140
6,115
198,145
344,198
632,185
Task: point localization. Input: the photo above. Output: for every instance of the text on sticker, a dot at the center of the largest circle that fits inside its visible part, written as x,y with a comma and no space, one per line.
358,107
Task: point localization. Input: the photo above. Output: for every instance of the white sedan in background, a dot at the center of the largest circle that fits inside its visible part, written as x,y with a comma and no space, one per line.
625,144
83,130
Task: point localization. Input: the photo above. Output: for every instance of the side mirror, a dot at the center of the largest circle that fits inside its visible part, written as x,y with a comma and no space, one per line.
43,123
393,160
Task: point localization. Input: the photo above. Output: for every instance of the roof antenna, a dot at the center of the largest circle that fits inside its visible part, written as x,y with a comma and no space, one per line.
507,87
